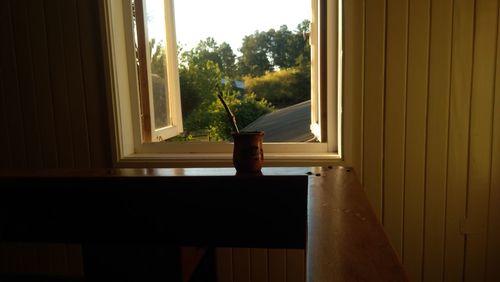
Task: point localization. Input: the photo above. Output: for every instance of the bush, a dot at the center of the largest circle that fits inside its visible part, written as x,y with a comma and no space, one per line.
214,118
281,88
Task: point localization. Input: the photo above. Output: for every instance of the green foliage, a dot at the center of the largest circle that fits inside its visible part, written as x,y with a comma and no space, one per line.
275,65
160,101
200,72
255,55
198,84
281,88
270,50
208,50
214,118
157,51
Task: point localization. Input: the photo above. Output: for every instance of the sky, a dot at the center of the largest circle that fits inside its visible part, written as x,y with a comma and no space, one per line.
228,20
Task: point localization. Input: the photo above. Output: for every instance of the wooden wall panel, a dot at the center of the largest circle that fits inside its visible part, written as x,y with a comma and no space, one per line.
94,83
395,120
461,85
59,82
481,120
11,94
437,137
224,264
493,247
45,108
415,147
4,134
53,107
295,265
373,95
353,84
75,87
241,265
28,97
436,150
277,265
259,265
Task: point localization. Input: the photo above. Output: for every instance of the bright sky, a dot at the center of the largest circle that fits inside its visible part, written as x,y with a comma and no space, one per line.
228,20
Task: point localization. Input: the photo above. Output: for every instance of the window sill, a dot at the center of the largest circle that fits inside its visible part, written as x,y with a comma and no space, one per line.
224,160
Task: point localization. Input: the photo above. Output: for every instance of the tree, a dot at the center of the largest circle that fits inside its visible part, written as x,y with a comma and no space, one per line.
157,53
198,84
300,44
281,49
272,50
209,50
254,60
213,118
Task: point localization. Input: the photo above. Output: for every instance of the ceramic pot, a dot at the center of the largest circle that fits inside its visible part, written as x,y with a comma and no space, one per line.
248,155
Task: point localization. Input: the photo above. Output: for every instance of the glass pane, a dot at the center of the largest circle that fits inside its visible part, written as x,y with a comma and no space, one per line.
155,18
256,52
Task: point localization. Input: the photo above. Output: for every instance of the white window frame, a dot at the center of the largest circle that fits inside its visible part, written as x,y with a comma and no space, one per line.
131,151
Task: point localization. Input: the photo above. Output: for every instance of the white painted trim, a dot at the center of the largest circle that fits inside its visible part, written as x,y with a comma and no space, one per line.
340,78
118,71
174,91
315,70
332,70
225,160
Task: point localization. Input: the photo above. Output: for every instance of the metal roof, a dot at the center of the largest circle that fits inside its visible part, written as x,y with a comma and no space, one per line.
290,124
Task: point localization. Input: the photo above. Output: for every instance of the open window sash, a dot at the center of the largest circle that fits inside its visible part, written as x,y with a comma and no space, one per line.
160,104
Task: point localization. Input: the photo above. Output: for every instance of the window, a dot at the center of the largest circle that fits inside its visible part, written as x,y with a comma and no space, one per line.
138,124
159,93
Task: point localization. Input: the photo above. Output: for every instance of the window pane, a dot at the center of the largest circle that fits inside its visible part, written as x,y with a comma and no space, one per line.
257,53
155,21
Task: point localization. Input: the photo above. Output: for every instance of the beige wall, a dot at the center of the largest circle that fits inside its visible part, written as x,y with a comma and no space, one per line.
425,75
53,110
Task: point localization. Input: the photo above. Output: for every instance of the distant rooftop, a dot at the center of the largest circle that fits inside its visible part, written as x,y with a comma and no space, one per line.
290,124
236,83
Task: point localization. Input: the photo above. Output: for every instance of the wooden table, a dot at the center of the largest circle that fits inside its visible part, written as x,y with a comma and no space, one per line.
324,210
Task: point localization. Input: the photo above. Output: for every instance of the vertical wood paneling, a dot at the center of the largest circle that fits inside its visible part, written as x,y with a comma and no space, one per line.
45,111
394,122
353,27
48,67
461,83
4,135
415,148
437,137
493,247
241,264
75,92
93,76
258,265
59,82
373,115
295,265
480,136
25,76
451,144
75,260
277,265
11,95
224,264
10,260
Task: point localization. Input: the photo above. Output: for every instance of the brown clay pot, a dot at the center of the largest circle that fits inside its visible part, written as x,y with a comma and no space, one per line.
248,155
